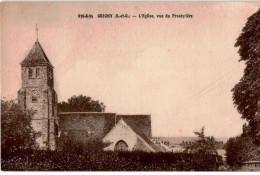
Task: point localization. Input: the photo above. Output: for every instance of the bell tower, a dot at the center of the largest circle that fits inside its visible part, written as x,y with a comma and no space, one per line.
37,93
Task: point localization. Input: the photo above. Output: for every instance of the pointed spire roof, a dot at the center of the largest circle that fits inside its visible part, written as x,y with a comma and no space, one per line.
36,56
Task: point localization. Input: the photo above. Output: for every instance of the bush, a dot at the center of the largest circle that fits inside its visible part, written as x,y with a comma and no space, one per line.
16,130
240,149
38,160
68,144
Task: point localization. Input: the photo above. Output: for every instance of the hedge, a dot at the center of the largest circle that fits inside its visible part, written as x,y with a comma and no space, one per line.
39,160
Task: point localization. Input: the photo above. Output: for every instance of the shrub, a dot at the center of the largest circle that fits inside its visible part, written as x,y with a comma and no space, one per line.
70,145
240,149
38,160
16,130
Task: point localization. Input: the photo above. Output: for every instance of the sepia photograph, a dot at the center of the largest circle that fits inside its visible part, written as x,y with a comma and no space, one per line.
130,86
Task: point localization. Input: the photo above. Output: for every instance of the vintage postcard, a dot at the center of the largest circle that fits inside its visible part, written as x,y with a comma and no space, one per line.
130,86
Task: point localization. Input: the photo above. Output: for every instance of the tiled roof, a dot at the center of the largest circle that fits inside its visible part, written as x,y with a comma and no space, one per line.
36,56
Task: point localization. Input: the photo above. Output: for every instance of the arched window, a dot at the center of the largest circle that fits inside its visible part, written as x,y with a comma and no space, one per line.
38,71
30,72
34,96
121,146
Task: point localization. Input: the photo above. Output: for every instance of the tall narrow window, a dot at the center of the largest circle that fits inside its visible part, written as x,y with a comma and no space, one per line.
38,72
56,129
34,96
30,72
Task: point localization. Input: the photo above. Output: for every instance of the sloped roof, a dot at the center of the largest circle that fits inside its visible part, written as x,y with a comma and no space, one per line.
141,121
138,132
36,56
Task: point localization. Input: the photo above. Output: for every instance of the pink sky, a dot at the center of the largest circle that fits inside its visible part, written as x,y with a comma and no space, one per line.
181,71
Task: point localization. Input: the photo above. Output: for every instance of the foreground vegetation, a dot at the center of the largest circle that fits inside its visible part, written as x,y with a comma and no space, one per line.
37,160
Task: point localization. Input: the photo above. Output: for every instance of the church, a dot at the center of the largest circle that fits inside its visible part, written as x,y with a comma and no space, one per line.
123,132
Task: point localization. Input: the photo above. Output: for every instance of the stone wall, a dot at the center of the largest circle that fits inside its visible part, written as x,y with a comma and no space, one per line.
84,126
45,107
45,78
250,166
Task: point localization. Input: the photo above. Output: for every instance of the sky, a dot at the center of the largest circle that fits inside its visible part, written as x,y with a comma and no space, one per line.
181,71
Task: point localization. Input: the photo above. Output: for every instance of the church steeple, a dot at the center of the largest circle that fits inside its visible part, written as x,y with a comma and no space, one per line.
37,93
36,56
36,32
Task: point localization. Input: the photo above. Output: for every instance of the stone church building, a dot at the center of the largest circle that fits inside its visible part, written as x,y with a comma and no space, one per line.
124,132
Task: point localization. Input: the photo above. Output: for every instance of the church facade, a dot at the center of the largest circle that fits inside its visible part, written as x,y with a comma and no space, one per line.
124,132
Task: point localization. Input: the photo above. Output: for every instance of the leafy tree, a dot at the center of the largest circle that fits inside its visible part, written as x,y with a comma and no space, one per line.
204,145
17,132
204,148
246,93
240,149
246,96
81,104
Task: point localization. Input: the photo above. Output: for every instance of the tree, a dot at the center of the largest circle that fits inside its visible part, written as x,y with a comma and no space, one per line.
17,132
204,148
81,104
246,93
240,149
203,145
